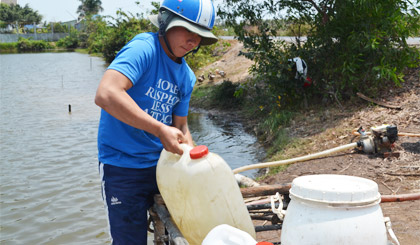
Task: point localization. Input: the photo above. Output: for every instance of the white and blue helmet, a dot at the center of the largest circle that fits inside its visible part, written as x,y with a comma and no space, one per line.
195,15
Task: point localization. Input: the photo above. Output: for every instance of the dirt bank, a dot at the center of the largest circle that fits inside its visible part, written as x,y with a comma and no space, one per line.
331,126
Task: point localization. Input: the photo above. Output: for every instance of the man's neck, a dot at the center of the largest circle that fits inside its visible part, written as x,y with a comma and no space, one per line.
166,49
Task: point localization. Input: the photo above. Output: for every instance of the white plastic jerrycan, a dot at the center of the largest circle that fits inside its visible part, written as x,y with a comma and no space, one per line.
228,235
200,192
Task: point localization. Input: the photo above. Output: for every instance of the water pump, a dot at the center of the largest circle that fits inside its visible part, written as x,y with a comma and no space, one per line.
380,140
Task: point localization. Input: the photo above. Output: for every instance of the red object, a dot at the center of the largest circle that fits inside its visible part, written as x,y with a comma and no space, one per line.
264,243
199,152
307,83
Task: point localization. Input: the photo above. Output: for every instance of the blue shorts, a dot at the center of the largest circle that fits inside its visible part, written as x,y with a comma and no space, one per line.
128,194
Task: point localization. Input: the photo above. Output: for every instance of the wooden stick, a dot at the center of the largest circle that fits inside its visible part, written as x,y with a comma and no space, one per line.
159,228
267,227
265,206
265,190
174,233
261,217
378,102
404,174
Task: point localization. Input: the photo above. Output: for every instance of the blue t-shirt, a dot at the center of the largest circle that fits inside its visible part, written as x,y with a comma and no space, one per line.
161,87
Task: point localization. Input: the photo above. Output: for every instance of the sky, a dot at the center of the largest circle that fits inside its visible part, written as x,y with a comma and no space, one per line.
65,10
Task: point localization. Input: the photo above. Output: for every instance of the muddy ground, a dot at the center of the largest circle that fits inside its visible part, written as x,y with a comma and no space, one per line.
331,125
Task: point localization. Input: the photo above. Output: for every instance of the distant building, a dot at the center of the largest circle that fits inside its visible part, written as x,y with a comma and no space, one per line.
9,2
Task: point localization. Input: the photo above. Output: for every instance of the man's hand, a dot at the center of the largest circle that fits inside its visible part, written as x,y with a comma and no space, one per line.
171,139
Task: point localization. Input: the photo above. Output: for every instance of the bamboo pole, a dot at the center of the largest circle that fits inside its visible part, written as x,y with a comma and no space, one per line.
174,234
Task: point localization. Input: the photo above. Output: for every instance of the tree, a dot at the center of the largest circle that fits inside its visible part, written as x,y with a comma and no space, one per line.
10,14
352,45
156,6
89,7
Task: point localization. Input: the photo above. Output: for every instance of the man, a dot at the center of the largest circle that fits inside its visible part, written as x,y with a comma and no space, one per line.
144,96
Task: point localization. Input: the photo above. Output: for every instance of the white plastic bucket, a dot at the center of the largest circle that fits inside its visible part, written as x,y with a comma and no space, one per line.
334,209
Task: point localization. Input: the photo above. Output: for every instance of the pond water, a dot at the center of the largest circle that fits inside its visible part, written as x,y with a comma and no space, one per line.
49,181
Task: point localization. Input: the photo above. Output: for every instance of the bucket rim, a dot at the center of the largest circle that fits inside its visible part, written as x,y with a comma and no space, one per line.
335,190
336,204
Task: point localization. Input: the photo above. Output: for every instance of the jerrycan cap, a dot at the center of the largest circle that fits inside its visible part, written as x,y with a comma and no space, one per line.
199,152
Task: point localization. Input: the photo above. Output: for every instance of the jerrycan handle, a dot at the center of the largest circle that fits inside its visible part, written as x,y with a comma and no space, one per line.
174,157
186,148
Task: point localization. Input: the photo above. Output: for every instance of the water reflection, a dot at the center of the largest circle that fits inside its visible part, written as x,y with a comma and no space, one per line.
50,188
49,181
227,138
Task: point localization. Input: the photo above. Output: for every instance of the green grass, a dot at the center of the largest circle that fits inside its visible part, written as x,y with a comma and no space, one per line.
201,92
8,47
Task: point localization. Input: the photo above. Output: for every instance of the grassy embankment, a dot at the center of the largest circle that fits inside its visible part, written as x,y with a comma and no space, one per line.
27,45
296,131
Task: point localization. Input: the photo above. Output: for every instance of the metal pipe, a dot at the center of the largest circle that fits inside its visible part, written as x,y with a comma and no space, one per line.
401,197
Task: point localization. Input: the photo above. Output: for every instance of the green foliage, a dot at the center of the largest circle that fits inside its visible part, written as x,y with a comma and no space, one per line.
206,54
25,45
124,28
15,13
202,57
108,36
57,28
8,47
363,46
280,141
223,95
156,6
351,46
277,120
3,24
71,41
96,30
201,92
271,126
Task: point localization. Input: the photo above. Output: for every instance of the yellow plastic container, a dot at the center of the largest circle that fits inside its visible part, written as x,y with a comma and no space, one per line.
200,192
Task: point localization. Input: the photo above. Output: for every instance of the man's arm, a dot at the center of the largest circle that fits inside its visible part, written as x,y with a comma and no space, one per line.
113,98
182,124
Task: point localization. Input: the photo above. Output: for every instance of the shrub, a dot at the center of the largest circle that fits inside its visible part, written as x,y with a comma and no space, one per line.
71,41
25,45
121,32
351,46
8,47
97,30
223,95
